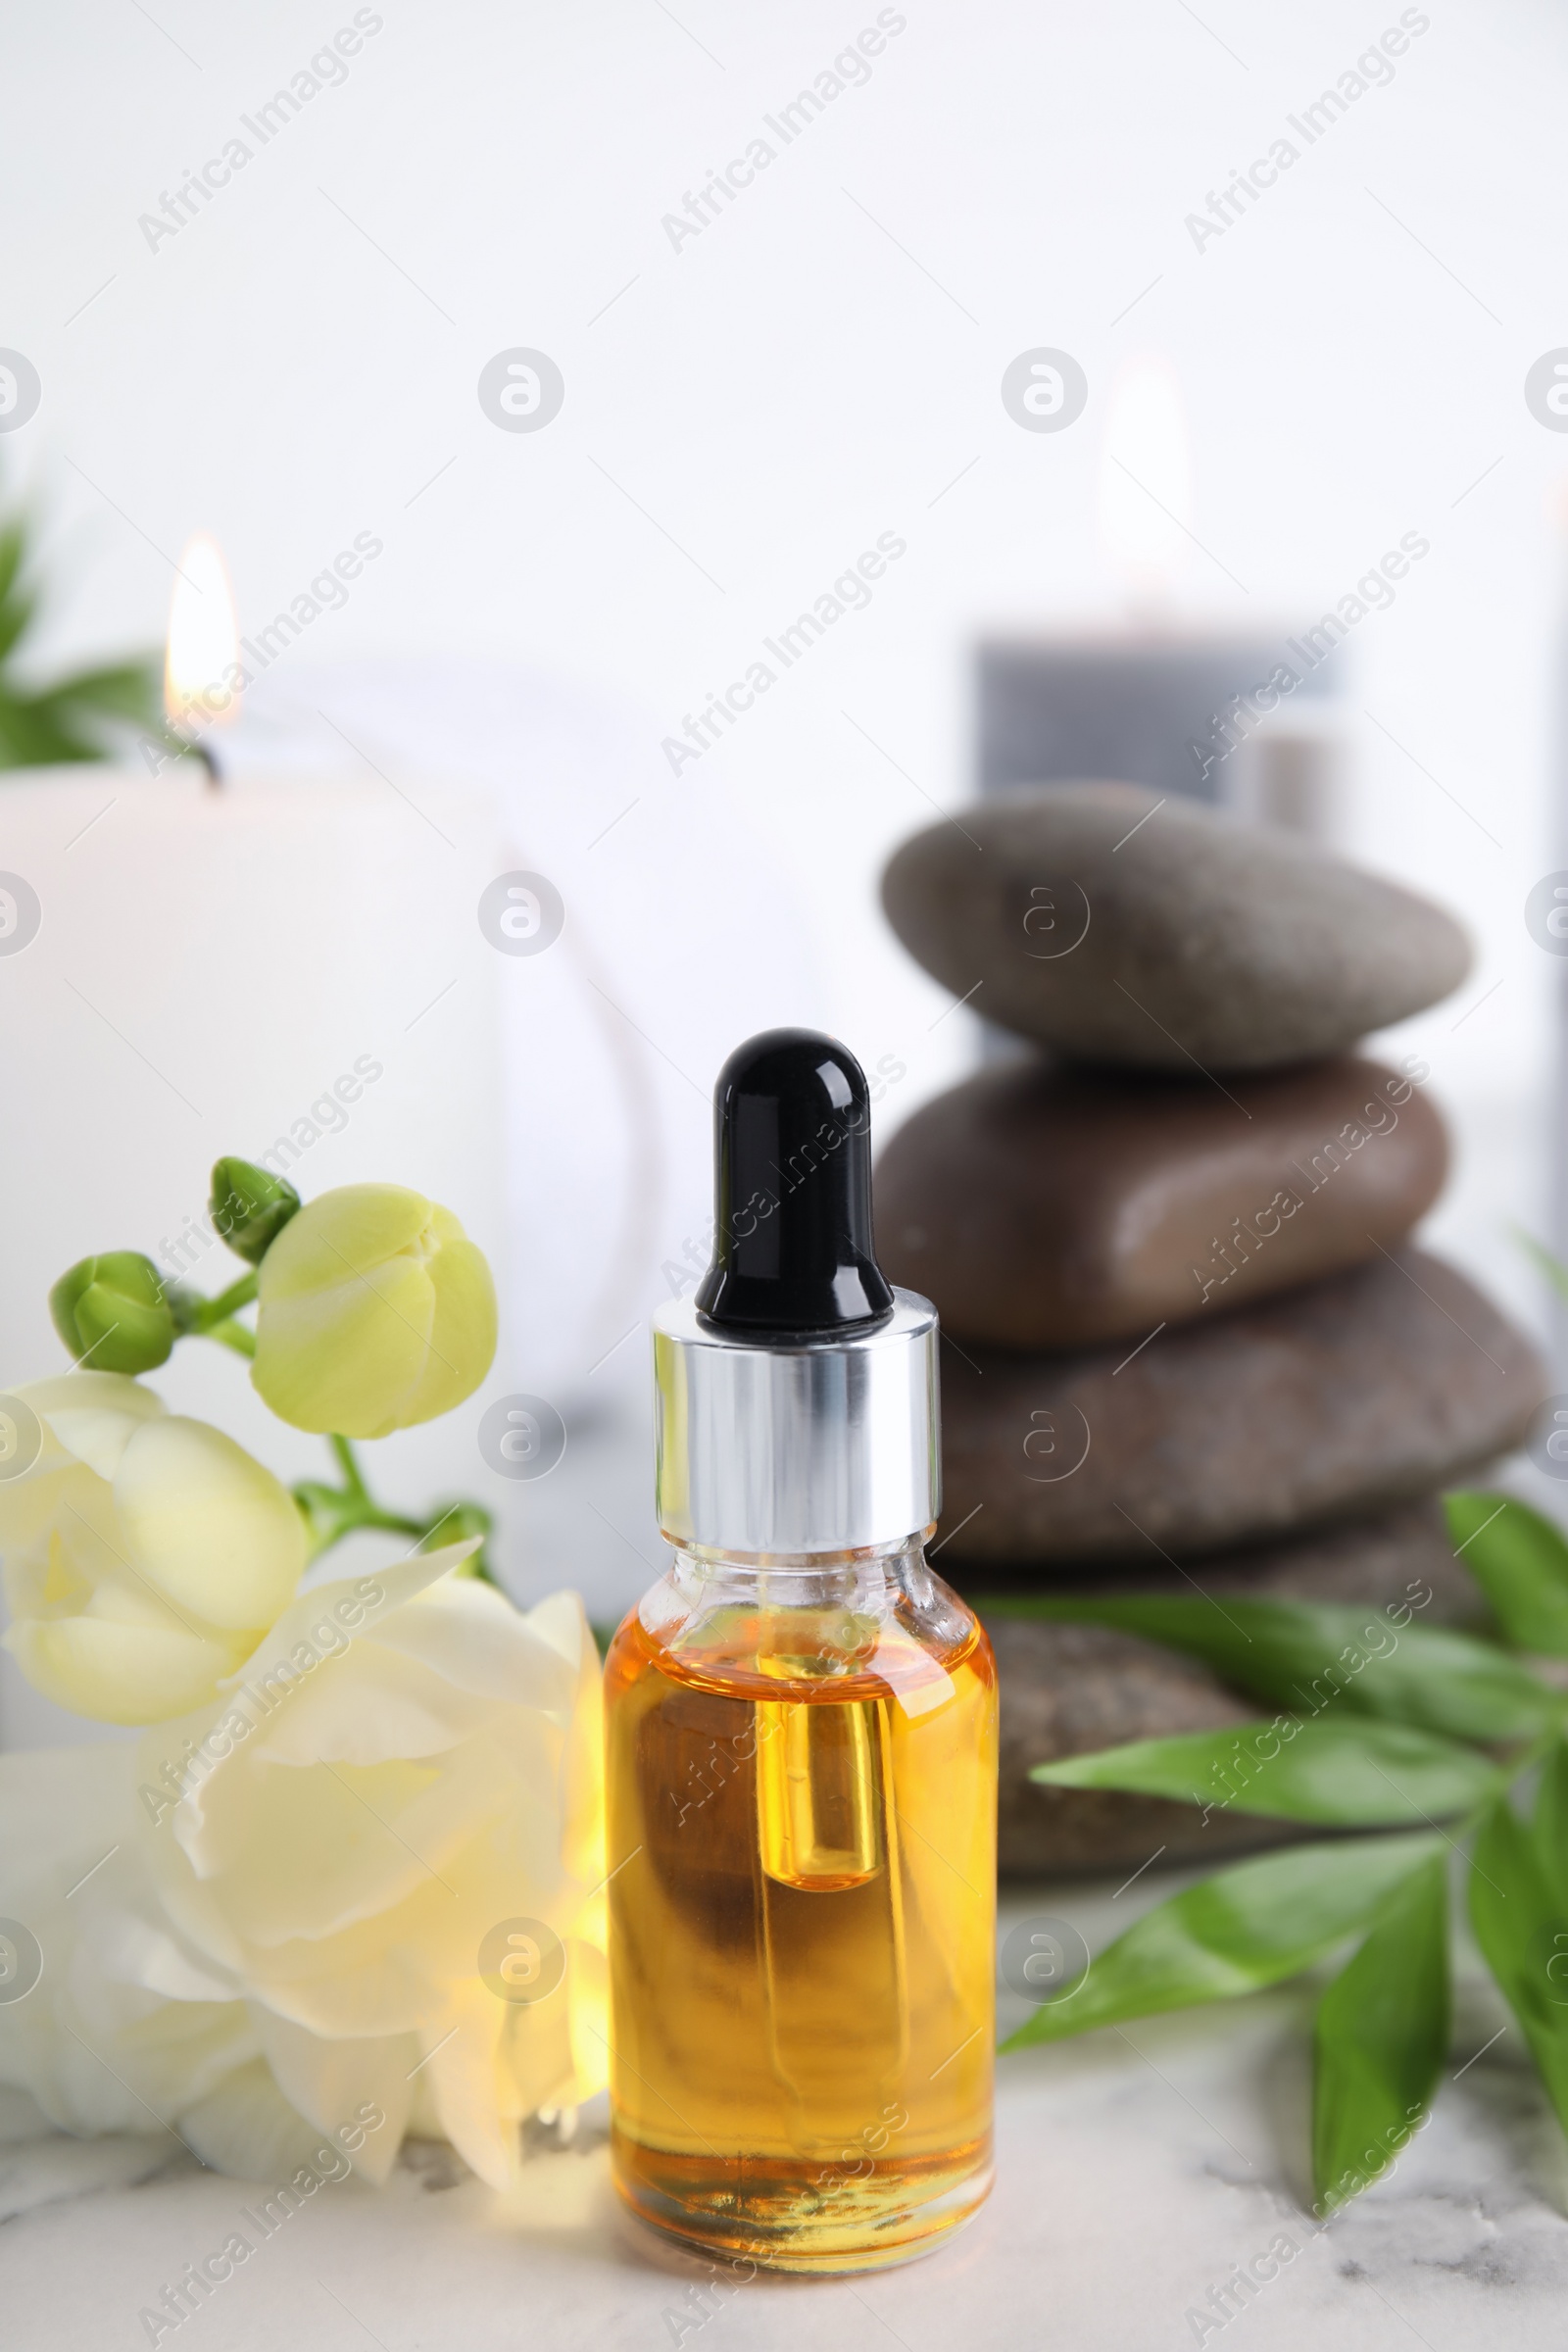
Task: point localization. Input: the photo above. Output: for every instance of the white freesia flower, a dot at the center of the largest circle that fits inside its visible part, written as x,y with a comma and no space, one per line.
312,1881
145,1555
104,2020
408,1768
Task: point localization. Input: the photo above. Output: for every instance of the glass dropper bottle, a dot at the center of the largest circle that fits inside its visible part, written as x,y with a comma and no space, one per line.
801,1725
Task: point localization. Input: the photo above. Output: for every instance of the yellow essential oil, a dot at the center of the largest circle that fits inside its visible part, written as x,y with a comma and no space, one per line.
803,1935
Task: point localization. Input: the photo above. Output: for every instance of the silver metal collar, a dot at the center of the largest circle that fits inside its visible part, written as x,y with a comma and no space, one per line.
810,1446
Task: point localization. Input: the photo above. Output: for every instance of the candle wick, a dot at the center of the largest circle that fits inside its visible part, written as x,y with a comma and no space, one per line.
196,747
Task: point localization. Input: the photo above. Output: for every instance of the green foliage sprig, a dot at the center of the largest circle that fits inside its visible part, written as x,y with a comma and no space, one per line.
75,718
1382,1724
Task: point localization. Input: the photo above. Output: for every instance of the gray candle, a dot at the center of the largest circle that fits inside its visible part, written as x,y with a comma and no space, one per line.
1195,716
1199,713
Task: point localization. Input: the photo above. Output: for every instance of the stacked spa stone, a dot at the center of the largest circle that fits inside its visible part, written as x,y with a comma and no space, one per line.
1170,1247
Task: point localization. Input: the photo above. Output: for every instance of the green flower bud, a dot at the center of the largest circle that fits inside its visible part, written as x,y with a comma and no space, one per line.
249,1207
112,1312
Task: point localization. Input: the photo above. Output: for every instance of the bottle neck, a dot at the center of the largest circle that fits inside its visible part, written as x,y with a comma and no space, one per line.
869,1583
850,1612
871,1562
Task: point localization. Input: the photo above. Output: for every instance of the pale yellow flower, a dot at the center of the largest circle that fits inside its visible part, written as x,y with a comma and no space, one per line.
375,1311
145,1555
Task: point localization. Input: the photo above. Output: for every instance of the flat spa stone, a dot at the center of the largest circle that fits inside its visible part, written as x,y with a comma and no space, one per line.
1068,1688
1121,928
1379,1561
1347,1397
1042,1206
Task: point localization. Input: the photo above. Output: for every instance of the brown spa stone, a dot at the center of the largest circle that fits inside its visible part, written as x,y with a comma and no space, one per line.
1041,1206
1068,1688
1376,1561
1121,928
1356,1392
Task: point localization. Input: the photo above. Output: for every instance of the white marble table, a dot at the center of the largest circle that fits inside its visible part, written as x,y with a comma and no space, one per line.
1135,2171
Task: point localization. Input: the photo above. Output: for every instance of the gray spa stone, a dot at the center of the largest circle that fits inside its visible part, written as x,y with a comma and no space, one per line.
1119,928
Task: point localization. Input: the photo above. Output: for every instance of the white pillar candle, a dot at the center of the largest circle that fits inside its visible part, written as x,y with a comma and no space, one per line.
276,967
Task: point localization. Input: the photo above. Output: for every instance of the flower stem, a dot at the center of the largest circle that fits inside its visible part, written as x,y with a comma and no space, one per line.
229,1334
209,1312
199,1318
348,1462
333,1512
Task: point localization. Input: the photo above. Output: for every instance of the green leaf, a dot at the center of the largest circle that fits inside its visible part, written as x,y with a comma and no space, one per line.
30,738
1520,1562
1308,1656
1521,1924
73,718
1246,1927
12,548
1380,2037
1339,1769
120,690
1548,1830
16,616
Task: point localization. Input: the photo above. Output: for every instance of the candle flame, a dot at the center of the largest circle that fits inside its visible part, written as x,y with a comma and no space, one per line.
1145,479
202,667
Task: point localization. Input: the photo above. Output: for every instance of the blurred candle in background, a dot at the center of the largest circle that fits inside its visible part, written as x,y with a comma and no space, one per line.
1155,701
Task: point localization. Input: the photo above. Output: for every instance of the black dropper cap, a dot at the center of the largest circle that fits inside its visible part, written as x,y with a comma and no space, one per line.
792,1139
